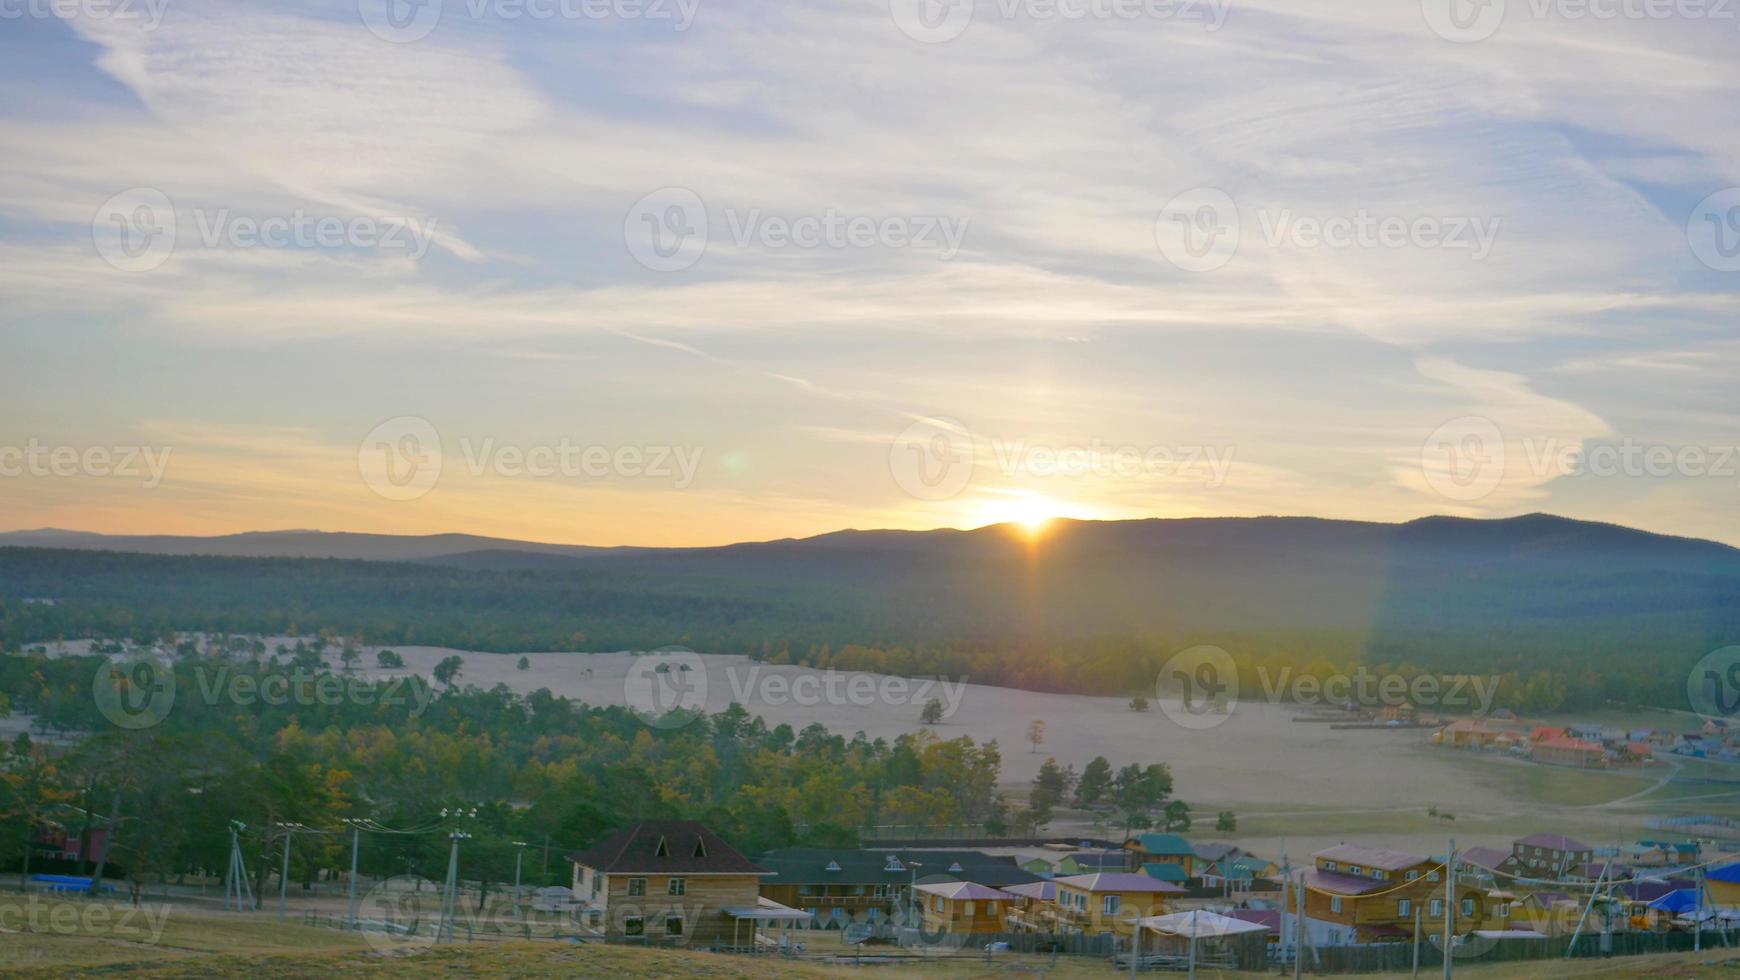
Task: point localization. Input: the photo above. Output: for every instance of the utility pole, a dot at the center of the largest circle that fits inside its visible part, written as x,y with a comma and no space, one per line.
450,894
1449,904
284,873
1416,940
1299,929
244,892
1698,915
519,858
355,846
1286,896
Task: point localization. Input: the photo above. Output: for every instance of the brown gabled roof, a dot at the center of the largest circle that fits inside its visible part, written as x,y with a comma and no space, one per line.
689,848
1371,857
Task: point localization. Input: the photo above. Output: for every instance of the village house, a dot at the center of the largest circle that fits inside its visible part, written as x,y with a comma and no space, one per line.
1146,849
1723,885
1031,907
1547,856
1108,902
1568,751
961,907
669,881
846,886
1367,894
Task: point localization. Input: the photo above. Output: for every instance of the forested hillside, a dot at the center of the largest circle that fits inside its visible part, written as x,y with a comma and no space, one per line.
1601,611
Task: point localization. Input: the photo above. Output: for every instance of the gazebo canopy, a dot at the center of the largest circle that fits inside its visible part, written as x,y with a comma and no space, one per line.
1199,924
766,910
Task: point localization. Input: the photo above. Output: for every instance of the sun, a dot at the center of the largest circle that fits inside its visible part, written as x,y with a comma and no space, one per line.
1030,513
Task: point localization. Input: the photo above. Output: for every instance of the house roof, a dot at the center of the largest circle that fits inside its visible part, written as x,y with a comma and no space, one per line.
1342,884
1215,850
1544,731
1484,857
825,865
1107,881
1098,859
1045,891
1594,869
1371,857
1677,901
1650,889
1263,917
1554,842
1165,871
964,891
666,847
1729,873
1164,845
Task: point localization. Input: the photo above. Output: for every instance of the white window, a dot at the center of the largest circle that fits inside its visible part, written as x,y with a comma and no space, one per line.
967,910
1354,869
636,886
677,886
937,904
1335,903
1329,865
1436,909
1412,875
1504,910
1431,876
1468,907
673,925
1110,905
1405,908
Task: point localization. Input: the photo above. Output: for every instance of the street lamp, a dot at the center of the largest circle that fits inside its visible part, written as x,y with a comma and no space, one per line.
912,894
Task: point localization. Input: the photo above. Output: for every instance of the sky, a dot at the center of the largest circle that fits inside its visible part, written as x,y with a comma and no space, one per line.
660,272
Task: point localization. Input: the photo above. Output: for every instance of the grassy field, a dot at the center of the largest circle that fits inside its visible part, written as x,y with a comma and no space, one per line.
52,938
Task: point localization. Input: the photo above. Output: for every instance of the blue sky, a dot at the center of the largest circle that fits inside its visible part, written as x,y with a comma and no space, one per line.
1558,289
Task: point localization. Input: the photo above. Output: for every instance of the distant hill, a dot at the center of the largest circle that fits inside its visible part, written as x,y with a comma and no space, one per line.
1528,593
288,544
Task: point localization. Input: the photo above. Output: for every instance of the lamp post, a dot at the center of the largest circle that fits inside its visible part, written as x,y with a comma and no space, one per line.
912,894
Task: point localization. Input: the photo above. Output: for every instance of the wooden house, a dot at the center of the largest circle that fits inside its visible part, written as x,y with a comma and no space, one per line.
669,881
